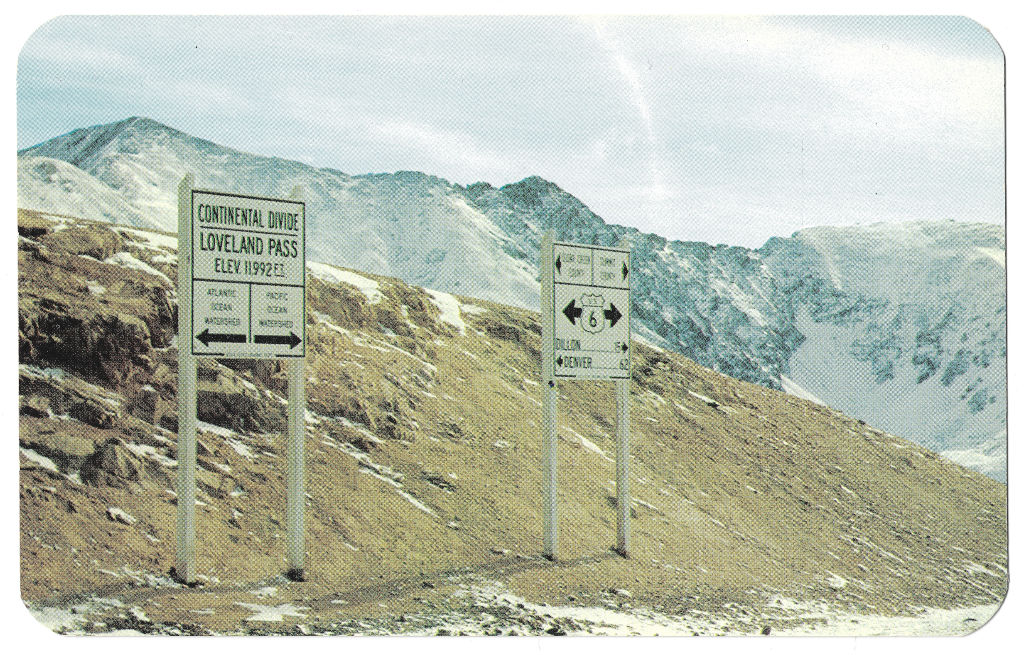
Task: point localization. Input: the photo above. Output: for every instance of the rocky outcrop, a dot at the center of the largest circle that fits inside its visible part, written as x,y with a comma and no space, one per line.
111,464
84,314
228,400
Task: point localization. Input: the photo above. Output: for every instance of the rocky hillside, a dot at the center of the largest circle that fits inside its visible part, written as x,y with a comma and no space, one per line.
751,507
902,326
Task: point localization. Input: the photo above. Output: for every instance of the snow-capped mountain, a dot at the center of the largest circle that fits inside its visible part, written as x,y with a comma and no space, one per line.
902,326
409,225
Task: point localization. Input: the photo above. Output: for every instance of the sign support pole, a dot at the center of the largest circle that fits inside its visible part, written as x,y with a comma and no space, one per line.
550,401
185,565
622,454
296,500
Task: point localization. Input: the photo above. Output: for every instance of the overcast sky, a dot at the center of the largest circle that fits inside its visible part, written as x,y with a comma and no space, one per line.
725,130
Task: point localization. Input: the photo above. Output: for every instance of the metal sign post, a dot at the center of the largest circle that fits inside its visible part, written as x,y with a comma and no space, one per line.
185,567
585,336
550,401
622,501
241,294
295,510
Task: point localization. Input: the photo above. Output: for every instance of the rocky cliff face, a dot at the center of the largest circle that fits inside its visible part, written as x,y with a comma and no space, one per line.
424,450
902,326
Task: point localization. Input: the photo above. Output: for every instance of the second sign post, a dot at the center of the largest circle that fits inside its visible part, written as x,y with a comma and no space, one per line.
585,335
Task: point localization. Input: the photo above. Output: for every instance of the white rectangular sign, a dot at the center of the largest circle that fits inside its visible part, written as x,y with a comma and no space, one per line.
590,301
248,276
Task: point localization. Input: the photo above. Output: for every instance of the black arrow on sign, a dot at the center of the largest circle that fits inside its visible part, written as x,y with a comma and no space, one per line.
625,271
625,347
558,263
291,340
559,360
572,312
207,338
613,315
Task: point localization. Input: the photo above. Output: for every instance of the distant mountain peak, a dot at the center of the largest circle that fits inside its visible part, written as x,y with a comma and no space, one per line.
531,187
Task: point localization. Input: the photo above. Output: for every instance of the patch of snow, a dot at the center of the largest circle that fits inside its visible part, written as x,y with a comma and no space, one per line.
41,460
589,445
997,255
121,516
153,239
369,288
216,429
150,452
385,474
703,399
265,592
127,260
683,408
600,620
242,449
70,619
52,373
974,567
449,307
273,613
988,458
794,389
415,502
835,582
927,622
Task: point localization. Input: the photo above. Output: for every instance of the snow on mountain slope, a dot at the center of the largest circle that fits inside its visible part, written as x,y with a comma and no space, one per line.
902,326
911,331
410,225
55,186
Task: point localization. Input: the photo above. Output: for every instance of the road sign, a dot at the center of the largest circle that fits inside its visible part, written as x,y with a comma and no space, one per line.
242,285
584,315
590,299
248,276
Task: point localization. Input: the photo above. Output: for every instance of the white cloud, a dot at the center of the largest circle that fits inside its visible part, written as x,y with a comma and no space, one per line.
682,125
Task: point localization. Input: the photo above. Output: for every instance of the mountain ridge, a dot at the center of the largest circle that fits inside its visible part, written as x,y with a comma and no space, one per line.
744,312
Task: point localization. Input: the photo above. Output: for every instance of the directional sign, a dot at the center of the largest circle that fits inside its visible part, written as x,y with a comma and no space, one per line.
591,305
248,276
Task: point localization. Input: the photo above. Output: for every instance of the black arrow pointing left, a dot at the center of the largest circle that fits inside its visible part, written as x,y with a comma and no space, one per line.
572,312
290,340
208,337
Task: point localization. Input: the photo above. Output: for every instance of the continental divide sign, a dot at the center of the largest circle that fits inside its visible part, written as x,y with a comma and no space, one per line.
248,276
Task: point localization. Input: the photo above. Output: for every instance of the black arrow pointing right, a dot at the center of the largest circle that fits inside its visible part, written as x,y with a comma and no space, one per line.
558,263
290,340
613,315
572,312
207,337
